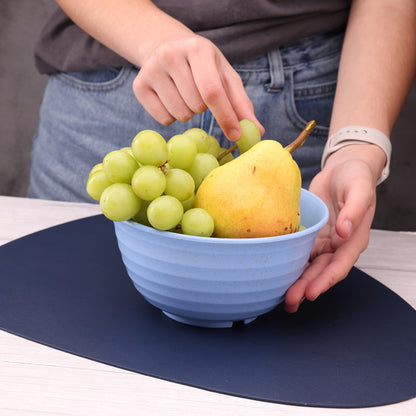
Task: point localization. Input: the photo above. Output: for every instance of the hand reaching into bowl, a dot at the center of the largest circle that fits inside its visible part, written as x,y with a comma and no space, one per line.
185,75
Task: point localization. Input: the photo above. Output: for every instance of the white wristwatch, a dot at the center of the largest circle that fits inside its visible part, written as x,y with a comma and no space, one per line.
359,135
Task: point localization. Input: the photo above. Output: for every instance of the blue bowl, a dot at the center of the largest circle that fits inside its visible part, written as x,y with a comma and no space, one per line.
214,282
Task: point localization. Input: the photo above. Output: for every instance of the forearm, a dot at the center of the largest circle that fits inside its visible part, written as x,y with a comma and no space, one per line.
377,64
376,70
132,28
181,73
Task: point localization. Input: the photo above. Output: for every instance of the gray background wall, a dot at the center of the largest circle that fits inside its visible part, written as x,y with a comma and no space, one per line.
21,90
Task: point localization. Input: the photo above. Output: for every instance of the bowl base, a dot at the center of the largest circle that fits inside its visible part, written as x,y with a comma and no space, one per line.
204,323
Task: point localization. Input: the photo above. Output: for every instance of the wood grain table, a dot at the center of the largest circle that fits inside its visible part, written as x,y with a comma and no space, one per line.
39,380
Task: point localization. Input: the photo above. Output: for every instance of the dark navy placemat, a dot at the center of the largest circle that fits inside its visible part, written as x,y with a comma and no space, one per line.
66,287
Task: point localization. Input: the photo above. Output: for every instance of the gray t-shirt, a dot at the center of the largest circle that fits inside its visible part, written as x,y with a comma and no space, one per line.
242,29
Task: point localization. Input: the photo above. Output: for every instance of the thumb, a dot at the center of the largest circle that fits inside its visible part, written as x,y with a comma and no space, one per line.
359,199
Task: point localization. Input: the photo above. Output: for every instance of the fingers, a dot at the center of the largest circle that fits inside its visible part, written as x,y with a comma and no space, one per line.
209,82
359,199
323,273
296,293
189,77
162,99
223,92
152,104
183,78
238,97
338,247
338,265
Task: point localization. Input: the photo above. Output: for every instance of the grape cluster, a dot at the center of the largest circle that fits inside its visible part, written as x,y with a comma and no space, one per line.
153,182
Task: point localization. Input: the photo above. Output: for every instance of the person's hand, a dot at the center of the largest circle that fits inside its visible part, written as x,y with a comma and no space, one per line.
348,189
187,75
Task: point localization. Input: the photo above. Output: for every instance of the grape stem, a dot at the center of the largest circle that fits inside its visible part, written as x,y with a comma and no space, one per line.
164,168
298,142
225,152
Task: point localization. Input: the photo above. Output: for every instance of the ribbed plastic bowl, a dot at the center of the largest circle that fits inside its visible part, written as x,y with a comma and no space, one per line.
214,282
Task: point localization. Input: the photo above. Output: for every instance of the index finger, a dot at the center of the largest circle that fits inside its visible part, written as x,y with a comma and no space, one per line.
213,93
211,74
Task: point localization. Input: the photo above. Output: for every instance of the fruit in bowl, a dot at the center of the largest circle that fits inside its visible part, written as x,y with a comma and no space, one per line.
250,207
214,282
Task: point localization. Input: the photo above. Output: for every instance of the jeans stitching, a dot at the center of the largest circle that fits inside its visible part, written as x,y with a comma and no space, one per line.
297,66
317,91
99,87
320,61
247,69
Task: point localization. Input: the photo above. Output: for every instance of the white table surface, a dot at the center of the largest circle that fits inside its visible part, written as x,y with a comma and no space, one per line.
39,380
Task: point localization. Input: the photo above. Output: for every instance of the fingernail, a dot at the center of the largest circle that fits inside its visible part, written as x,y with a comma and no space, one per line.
300,303
296,307
234,135
348,227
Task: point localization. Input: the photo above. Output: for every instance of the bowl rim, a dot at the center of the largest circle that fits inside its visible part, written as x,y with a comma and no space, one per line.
252,240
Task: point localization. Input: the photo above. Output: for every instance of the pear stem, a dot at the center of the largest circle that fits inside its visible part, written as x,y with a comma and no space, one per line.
225,152
298,142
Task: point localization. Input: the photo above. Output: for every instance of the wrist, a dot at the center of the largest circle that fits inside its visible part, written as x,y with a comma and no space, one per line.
167,37
364,143
169,29
370,154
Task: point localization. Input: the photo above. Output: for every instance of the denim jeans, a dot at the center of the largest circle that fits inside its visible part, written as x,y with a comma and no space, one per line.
85,115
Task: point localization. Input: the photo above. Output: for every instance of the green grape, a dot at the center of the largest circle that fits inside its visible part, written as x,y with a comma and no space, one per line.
128,150
301,228
181,151
250,135
214,146
200,138
227,158
141,216
118,202
188,203
165,212
179,184
203,164
119,166
197,221
96,184
96,168
148,182
150,148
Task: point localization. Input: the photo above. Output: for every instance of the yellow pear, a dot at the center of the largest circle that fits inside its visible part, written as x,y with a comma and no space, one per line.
255,195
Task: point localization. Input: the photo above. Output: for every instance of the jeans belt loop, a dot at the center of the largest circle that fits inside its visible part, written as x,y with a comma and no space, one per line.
277,77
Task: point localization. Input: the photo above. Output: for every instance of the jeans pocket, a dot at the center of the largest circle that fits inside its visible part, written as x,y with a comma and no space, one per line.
310,92
313,102
95,80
